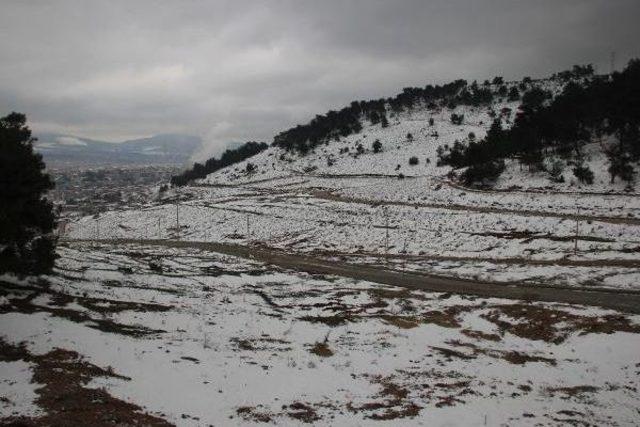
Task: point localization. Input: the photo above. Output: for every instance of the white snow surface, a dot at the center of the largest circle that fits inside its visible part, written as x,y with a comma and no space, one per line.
236,344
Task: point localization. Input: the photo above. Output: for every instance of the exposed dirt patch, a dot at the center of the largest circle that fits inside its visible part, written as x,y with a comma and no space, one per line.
335,320
578,391
321,349
394,403
106,306
479,335
302,412
25,305
447,318
263,343
451,354
535,322
402,322
254,414
384,293
472,351
64,396
518,358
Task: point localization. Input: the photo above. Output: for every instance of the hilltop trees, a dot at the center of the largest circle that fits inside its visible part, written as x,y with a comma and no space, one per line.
582,113
27,243
335,124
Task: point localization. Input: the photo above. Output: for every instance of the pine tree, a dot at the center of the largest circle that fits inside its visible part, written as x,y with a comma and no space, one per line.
377,146
27,243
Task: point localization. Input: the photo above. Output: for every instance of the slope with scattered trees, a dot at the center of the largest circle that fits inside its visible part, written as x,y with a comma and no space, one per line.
584,112
228,158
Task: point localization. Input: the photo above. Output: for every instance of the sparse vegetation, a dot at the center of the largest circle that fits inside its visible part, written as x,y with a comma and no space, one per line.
228,158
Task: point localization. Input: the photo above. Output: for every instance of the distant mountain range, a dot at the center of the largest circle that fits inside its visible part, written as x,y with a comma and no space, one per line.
60,150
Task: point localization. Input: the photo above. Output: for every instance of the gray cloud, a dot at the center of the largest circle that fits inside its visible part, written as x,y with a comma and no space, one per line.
238,70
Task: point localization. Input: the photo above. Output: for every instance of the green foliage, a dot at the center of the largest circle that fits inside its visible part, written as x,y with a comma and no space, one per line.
376,146
413,161
27,243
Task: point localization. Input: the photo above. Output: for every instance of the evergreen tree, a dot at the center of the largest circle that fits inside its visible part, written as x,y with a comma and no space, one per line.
514,95
27,243
584,174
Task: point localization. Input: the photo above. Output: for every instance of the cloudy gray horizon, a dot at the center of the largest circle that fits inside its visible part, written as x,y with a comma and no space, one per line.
232,71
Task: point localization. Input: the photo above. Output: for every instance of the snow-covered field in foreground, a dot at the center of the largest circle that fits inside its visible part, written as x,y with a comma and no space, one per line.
196,338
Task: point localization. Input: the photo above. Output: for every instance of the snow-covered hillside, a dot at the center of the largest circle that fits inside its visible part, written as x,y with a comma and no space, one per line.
417,133
409,134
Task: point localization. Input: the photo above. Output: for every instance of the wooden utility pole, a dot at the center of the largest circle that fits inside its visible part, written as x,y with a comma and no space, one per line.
178,218
386,240
159,232
575,248
247,226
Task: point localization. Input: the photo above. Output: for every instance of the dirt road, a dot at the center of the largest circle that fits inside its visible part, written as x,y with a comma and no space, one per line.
622,300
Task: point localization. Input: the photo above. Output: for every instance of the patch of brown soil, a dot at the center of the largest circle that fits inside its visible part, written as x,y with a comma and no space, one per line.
440,318
64,397
535,322
512,357
335,320
302,412
395,404
321,349
264,343
568,392
25,305
402,322
107,306
384,293
253,414
479,335
517,358
451,354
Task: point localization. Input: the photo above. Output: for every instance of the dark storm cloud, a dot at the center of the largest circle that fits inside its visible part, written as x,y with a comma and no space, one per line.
235,70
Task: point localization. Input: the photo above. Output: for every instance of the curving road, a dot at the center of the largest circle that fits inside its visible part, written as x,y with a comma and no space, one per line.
621,300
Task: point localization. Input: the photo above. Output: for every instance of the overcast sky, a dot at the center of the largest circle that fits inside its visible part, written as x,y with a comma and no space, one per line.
237,70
